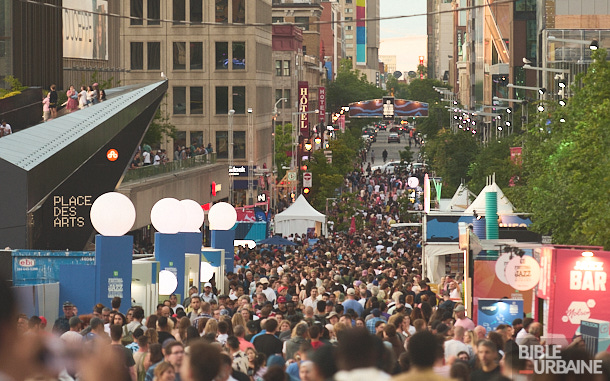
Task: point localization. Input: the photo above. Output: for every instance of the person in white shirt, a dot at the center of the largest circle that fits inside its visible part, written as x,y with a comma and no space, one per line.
5,129
157,159
456,344
312,300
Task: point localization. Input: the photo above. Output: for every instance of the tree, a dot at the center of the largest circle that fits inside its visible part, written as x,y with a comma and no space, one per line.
490,159
566,165
283,145
350,86
160,128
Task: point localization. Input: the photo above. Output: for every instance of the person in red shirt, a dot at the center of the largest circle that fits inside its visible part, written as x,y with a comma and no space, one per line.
314,334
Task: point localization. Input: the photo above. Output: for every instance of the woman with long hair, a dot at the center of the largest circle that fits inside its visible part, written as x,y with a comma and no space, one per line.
390,335
211,328
238,319
183,324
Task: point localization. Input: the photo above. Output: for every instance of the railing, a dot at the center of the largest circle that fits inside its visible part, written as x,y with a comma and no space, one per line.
173,166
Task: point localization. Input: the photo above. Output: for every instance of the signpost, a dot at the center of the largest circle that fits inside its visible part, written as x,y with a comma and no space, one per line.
307,179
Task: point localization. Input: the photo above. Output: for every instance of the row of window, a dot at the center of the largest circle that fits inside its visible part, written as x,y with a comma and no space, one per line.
222,142
182,8
282,68
193,105
190,54
303,22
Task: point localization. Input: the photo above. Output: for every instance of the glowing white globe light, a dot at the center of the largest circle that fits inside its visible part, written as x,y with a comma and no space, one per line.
206,272
167,216
193,216
222,216
112,214
167,282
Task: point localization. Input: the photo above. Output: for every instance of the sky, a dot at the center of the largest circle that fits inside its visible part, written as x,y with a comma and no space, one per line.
404,37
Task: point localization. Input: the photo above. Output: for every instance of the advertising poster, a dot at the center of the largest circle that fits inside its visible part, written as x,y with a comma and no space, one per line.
576,288
493,312
37,267
85,29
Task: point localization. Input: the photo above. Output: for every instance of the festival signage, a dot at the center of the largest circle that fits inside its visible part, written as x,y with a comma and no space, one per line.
493,312
574,284
522,273
322,104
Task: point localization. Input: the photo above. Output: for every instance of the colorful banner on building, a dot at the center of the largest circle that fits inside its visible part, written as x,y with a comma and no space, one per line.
303,109
322,104
374,108
85,29
360,32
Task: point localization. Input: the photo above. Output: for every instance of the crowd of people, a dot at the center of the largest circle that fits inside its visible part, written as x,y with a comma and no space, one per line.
76,100
350,306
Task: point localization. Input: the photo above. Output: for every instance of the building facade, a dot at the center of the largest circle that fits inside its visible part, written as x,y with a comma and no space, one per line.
215,62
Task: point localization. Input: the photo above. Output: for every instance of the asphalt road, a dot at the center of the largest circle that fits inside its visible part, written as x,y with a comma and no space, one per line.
392,148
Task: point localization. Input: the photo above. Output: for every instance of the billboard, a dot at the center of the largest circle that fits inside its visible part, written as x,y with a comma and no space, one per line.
374,108
85,29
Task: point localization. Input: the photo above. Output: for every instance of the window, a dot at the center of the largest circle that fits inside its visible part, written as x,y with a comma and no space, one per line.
286,69
304,50
180,141
278,96
196,55
239,99
154,12
179,12
222,11
286,102
196,100
349,27
239,144
196,139
154,55
348,19
136,10
222,144
348,1
349,46
179,55
196,11
179,100
349,10
239,55
137,56
222,100
278,67
239,11
349,36
222,55
303,22
276,20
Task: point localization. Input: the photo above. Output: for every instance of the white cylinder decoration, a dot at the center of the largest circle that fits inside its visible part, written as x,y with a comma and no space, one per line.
193,216
206,272
222,216
112,214
167,216
167,282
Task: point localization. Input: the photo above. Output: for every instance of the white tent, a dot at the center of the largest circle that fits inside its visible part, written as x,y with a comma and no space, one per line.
298,217
504,205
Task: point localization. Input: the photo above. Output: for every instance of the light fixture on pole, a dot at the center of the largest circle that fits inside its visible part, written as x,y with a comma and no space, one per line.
550,70
274,164
593,44
231,184
250,157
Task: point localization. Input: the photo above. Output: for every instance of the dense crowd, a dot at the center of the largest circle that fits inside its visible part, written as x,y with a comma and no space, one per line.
351,306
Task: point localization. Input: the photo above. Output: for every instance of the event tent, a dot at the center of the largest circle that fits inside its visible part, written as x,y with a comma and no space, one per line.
298,218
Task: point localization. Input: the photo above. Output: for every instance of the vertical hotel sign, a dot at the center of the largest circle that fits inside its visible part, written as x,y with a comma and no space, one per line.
360,32
303,108
322,104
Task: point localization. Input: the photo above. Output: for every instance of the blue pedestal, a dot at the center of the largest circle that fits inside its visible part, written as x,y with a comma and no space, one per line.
113,269
192,242
169,251
223,239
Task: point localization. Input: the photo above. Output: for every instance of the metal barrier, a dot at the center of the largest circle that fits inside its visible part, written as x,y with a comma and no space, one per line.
170,167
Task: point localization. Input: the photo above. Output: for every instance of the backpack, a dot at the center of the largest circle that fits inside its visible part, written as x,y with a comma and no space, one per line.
127,337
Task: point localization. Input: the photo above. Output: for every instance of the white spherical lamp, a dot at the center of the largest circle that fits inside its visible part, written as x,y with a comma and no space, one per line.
206,272
112,214
222,216
193,216
167,282
167,216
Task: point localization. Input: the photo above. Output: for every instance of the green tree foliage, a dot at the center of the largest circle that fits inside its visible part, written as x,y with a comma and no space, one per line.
350,86
400,88
283,145
160,128
490,159
450,155
566,166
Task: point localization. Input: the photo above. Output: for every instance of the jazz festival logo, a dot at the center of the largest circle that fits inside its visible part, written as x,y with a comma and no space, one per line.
547,360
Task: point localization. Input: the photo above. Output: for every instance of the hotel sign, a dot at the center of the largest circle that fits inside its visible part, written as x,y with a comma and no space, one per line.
303,108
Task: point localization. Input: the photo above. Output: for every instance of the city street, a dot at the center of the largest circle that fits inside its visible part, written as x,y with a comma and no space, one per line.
392,148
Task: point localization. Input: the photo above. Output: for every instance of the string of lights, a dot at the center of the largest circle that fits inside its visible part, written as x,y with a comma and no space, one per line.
205,23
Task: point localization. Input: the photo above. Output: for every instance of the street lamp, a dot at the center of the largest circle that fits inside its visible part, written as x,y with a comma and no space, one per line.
547,69
274,164
593,44
251,157
231,184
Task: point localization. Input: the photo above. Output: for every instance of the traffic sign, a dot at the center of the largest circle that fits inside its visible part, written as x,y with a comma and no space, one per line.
292,176
307,179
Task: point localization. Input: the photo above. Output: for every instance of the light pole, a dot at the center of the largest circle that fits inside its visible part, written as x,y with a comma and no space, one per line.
274,164
251,157
231,113
295,136
524,116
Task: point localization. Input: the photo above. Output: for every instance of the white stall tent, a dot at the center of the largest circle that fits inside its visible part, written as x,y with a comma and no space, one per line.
298,218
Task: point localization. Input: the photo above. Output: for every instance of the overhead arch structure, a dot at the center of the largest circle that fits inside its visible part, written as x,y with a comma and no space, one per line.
374,109
52,172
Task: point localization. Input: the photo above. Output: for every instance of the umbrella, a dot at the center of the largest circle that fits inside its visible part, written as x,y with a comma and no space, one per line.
276,240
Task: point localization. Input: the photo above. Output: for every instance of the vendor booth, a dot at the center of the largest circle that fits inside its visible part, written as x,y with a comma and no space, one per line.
300,217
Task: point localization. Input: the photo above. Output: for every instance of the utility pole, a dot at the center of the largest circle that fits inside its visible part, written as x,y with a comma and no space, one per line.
231,185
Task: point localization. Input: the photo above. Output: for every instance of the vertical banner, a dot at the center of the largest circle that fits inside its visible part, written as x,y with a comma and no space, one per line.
360,32
303,108
322,104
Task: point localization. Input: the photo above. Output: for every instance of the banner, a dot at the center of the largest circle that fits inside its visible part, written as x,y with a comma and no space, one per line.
303,108
375,108
322,104
85,34
493,312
